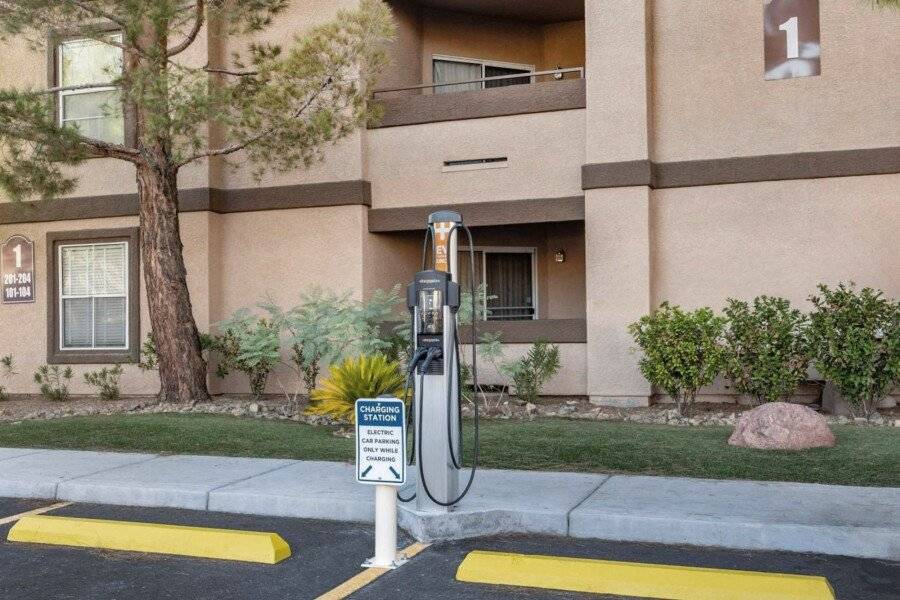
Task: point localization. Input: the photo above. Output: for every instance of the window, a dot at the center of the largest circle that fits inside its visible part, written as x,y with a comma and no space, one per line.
508,274
93,284
94,312
95,111
449,69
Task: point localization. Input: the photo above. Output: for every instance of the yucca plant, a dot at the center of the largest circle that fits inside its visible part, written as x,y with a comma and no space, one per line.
54,382
366,376
7,369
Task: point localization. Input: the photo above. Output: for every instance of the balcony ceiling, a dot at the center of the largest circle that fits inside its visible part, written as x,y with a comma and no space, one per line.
543,11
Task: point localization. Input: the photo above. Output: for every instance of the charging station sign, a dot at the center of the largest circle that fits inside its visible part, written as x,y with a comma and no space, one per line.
381,441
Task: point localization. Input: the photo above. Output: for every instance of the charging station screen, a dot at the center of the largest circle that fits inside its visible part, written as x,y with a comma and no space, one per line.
431,312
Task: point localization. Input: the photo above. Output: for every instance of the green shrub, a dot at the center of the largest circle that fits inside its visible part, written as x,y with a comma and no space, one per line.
325,327
106,380
682,351
855,343
53,382
490,351
149,359
766,350
359,377
531,373
247,344
7,369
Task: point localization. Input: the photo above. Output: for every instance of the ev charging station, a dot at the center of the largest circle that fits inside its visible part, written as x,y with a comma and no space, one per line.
433,300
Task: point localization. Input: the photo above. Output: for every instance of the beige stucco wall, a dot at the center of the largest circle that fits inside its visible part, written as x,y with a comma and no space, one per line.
23,327
233,261
617,82
26,66
280,255
23,66
342,161
777,238
571,380
545,151
617,238
710,98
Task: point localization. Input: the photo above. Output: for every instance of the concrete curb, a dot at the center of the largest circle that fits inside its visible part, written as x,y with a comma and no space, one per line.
824,519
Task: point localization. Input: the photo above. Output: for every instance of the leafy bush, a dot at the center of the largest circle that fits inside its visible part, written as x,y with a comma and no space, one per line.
855,342
766,350
490,351
482,312
149,359
106,380
53,382
326,327
682,351
530,373
8,370
359,377
247,344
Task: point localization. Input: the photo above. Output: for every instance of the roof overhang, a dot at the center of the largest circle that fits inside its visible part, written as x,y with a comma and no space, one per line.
540,11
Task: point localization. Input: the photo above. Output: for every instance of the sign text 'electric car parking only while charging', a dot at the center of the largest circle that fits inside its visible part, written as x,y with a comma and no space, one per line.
381,441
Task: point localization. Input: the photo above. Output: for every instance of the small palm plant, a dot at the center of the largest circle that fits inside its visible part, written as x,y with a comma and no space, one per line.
361,377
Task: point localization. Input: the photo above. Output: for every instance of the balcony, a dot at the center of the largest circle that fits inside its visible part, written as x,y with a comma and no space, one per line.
541,91
470,59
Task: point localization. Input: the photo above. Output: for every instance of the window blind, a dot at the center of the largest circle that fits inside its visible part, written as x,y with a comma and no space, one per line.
94,296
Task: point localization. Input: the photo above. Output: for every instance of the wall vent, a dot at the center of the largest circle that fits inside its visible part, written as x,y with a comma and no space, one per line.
473,164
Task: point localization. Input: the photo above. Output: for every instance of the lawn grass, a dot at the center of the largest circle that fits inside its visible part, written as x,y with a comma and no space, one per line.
863,456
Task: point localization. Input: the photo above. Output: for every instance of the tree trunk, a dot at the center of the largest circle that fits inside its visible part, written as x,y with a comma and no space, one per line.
182,369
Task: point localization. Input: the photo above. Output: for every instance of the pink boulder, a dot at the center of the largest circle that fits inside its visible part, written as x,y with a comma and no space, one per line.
782,426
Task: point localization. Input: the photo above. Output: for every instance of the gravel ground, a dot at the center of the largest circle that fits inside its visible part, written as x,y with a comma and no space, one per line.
277,407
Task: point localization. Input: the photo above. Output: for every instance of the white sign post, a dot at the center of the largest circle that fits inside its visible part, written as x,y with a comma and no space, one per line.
381,461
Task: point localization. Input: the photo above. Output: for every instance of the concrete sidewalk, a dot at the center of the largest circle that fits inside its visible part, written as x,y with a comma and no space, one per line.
850,521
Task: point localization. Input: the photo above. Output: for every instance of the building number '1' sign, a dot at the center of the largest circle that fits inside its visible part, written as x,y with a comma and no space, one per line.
17,270
791,39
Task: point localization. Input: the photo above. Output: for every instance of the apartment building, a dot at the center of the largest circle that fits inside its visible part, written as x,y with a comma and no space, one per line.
608,154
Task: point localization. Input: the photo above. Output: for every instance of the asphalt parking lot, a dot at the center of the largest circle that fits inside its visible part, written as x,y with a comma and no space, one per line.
326,554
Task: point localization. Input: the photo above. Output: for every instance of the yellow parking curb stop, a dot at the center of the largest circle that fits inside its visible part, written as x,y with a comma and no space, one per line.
180,540
637,579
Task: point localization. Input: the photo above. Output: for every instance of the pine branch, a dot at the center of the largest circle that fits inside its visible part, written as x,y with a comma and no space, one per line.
69,88
209,69
94,11
110,150
200,9
259,136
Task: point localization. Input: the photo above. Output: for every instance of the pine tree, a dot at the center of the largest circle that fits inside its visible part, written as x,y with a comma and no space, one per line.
273,107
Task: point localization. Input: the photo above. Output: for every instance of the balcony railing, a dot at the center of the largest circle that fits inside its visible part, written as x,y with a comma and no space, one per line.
555,73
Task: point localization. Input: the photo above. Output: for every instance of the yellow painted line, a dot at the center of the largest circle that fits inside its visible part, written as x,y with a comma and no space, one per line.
363,579
36,511
637,579
180,540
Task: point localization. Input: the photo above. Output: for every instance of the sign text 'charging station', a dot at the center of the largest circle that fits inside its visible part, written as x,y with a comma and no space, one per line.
381,441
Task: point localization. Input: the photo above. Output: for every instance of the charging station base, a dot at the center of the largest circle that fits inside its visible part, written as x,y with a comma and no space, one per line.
397,562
